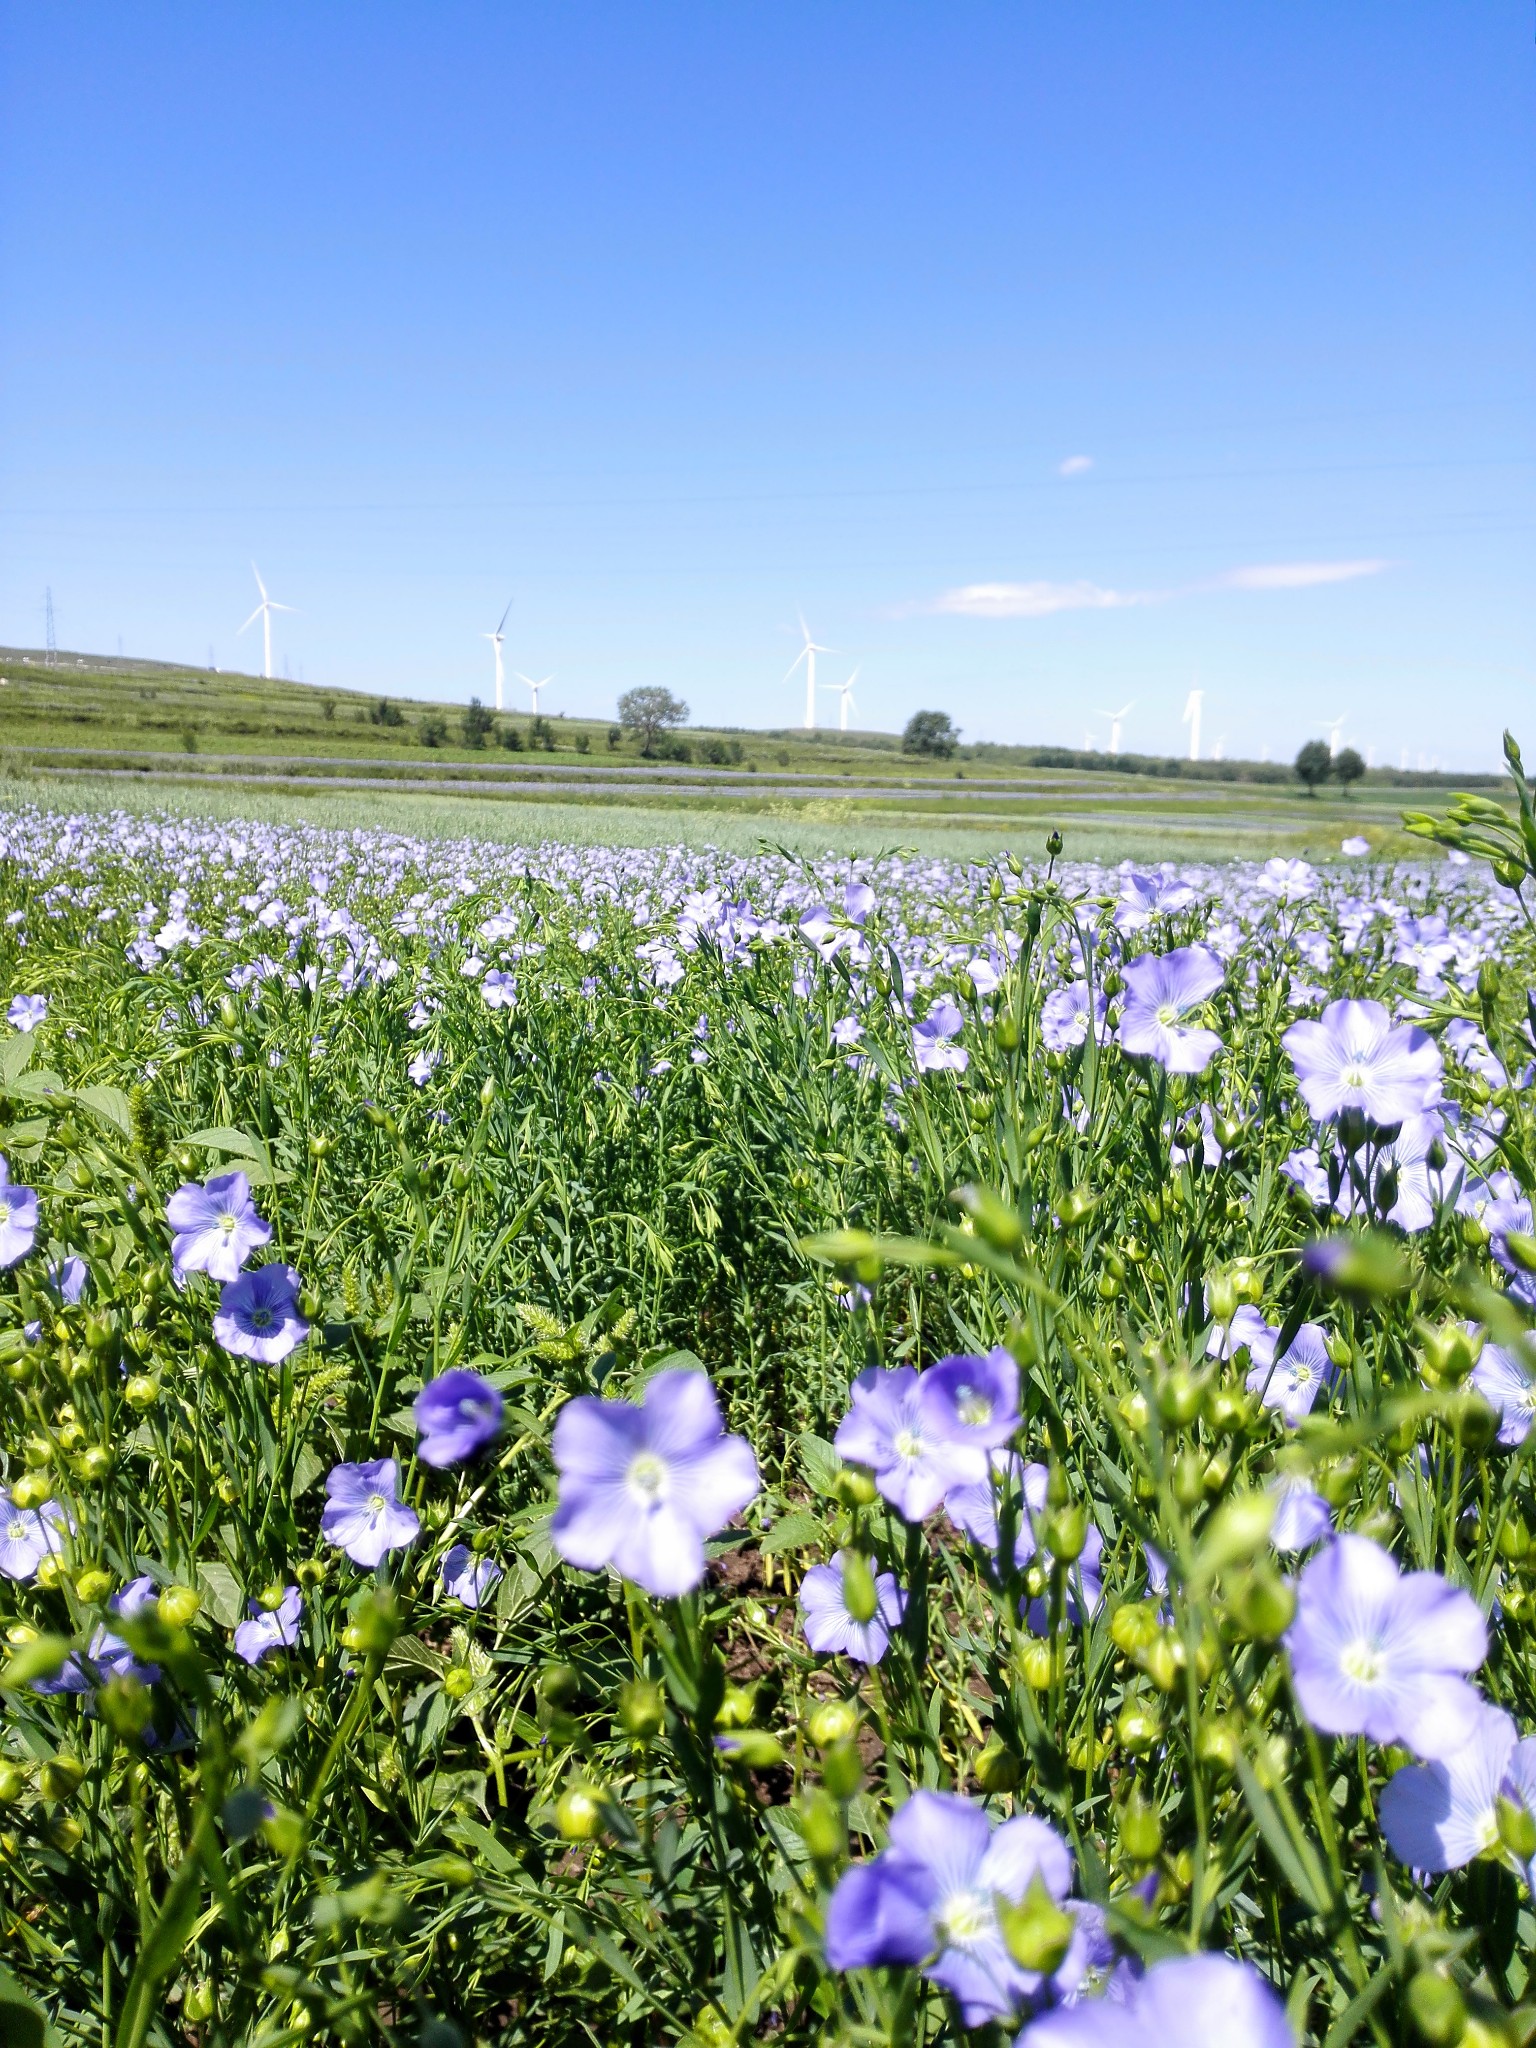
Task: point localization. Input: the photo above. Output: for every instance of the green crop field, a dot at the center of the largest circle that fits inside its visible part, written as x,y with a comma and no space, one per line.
191,737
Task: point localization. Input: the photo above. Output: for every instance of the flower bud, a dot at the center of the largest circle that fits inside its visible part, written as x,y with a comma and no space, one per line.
284,1831
376,1621
996,1768
142,1390
754,1749
642,1710
579,1813
197,2001
1179,1396
13,1781
737,1708
842,1770
1189,1477
1066,1532
1141,1828
833,1721
1437,2008
860,1595
1138,1728
1053,844
1076,1206
458,1681
1163,1660
487,1092
1217,1746
1035,1663
853,1486
1221,1297
1036,1931
1517,1829
821,1825
125,1705
178,1605
1261,1605
1132,1626
94,1584
60,1777
93,1464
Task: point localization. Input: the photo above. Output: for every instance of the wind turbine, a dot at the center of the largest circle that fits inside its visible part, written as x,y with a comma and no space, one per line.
535,687
1115,719
264,612
496,640
844,693
808,654
1191,718
1333,727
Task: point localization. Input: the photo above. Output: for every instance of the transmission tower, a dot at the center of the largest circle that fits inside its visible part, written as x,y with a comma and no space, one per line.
52,643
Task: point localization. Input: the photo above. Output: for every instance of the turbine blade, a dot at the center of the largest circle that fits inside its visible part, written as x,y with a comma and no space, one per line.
503,619
255,615
796,662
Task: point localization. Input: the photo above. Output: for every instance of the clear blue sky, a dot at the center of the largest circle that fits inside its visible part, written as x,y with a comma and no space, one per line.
664,320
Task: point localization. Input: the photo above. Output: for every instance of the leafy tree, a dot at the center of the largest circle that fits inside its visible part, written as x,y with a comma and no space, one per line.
542,734
1348,768
1314,765
648,711
614,736
512,738
385,713
583,743
475,722
931,733
433,729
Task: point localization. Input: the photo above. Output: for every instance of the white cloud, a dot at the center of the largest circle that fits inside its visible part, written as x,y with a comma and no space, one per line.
1296,575
1075,465
1035,600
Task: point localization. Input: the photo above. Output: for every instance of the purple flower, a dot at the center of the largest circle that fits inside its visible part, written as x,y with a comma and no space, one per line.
364,1514
1160,989
1440,1815
1085,1587
1512,1212
217,1227
931,1048
1210,2001
18,1219
890,1430
499,991
1292,1382
1505,1385
270,1629
642,1486
467,1578
1355,1057
830,1627
1355,845
27,1536
67,1280
1377,1653
457,1414
258,1315
26,1012
972,1400
423,1067
1302,1516
931,1898
973,1504
1143,897
1064,1017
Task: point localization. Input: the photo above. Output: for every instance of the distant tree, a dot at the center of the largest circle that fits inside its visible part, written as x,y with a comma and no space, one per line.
932,733
385,713
188,740
542,734
583,743
648,711
433,729
475,722
1347,768
512,739
1314,764
614,736
328,706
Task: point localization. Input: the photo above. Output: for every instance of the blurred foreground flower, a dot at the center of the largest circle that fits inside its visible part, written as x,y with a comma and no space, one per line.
457,1414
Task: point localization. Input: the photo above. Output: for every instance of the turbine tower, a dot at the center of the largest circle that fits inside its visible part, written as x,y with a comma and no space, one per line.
264,612
844,693
1191,718
1116,719
808,654
496,640
535,687
1334,727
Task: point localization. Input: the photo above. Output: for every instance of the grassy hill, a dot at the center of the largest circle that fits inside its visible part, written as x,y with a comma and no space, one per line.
101,727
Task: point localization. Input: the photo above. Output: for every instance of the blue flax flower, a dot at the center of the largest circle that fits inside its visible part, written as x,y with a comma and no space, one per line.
467,1578
1376,1652
18,1219
364,1514
1159,990
27,1536
1355,1057
891,1430
829,1625
972,1401
258,1315
268,1629
931,1898
217,1226
1441,1815
1208,2001
642,1486
457,1414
